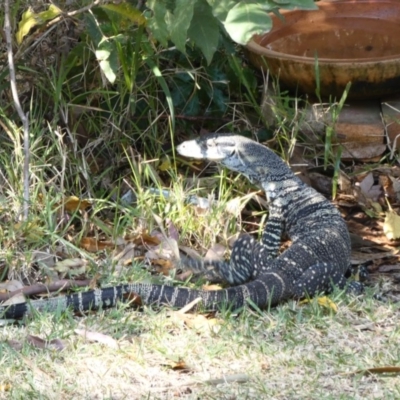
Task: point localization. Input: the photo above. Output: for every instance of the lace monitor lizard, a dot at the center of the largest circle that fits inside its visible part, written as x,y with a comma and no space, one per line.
318,257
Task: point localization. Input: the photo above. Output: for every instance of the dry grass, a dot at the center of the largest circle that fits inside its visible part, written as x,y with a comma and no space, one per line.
292,352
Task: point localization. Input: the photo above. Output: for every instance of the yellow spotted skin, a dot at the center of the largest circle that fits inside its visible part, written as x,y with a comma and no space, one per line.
317,259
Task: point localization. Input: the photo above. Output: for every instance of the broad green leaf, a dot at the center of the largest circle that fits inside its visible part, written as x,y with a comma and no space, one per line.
179,21
184,95
220,8
245,20
126,10
156,23
93,29
204,29
30,19
303,4
108,59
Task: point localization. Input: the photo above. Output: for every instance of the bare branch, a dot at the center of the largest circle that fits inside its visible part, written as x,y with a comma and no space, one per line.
17,104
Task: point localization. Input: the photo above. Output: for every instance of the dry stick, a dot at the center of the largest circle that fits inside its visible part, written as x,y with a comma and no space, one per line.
17,104
41,288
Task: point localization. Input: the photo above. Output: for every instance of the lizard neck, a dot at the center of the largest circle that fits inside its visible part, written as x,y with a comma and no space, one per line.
279,189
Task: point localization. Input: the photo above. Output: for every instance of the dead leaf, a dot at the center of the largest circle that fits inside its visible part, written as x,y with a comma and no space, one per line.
211,287
73,204
5,387
165,164
390,187
322,301
55,344
168,243
367,183
168,250
15,344
162,266
10,286
391,226
98,337
358,257
396,187
30,230
172,230
133,299
190,252
239,378
43,258
125,256
93,245
17,299
144,239
199,323
71,266
236,205
202,324
388,268
177,365
215,252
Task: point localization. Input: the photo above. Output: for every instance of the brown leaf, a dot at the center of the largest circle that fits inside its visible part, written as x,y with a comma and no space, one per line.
387,186
144,238
55,344
73,204
93,245
172,230
388,268
162,266
5,387
215,252
367,183
184,276
134,299
15,344
358,257
98,337
10,286
17,299
179,365
167,250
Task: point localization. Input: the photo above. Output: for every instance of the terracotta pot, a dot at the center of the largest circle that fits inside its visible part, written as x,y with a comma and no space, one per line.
355,41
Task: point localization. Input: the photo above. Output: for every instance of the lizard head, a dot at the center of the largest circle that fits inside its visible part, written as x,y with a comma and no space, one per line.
209,147
233,151
258,163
